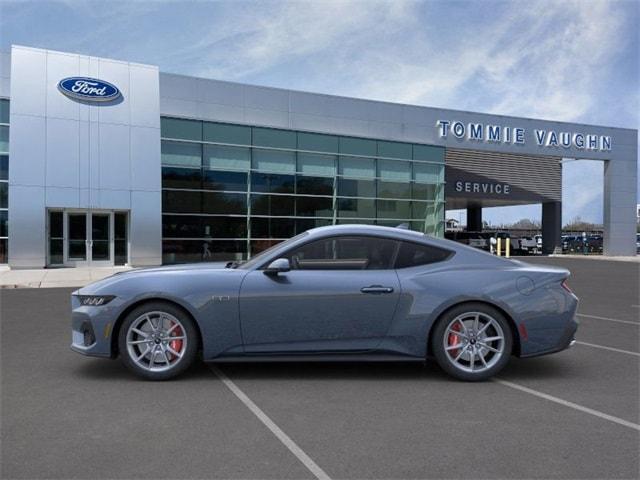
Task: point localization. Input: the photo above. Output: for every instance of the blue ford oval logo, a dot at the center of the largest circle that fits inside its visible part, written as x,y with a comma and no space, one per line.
91,89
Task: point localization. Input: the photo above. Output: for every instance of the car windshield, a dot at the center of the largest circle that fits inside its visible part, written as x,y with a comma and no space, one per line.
262,255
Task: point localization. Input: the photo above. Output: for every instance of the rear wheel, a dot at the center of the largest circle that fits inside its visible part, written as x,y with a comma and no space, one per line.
158,341
472,341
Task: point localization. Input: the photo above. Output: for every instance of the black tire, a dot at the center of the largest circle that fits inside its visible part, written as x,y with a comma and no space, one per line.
182,363
440,332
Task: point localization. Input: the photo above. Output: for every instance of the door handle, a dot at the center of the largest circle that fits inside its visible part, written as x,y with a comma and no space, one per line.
376,289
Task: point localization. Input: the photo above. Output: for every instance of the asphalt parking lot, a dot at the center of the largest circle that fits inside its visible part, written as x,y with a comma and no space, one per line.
575,414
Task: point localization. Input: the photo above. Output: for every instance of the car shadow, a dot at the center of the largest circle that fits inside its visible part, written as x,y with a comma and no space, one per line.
547,367
100,369
534,368
517,369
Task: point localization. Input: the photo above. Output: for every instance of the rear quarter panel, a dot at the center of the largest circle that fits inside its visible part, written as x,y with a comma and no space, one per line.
531,298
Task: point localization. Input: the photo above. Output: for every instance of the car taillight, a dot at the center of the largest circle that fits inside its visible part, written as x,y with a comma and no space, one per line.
565,285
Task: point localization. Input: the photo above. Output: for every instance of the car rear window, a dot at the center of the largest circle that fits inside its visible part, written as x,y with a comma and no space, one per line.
415,254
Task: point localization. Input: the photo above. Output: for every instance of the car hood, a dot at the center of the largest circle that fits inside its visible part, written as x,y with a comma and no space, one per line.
103,285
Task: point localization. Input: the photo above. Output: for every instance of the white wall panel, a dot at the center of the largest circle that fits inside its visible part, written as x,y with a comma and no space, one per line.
63,153
29,88
114,199
118,74
146,228
145,155
266,98
115,163
223,93
26,226
62,197
144,91
59,66
27,142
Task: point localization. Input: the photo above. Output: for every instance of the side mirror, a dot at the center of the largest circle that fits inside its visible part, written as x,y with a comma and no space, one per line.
279,265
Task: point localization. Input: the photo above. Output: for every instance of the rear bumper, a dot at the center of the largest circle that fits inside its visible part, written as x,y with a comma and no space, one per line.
565,340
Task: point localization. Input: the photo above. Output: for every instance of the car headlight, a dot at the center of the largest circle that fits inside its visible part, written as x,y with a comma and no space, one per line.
95,300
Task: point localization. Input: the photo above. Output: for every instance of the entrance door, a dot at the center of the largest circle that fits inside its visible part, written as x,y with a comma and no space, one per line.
79,238
101,240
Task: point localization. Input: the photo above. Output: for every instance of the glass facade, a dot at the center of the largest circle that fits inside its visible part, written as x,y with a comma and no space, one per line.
4,180
230,191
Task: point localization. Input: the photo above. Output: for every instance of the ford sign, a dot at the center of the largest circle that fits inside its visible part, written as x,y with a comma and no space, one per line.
90,89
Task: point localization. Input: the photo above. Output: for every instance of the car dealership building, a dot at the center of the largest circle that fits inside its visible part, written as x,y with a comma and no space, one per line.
107,162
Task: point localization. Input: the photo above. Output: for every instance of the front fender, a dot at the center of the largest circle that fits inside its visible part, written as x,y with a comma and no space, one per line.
209,296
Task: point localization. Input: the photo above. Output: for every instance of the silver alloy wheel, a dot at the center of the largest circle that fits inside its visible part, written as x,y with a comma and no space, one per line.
156,341
474,342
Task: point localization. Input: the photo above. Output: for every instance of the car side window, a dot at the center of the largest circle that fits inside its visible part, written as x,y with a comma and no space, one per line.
415,254
344,253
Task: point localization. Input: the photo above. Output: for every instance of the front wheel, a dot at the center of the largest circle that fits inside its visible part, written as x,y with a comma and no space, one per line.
158,341
472,342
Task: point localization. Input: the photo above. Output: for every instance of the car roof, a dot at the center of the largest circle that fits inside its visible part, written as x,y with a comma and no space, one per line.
375,230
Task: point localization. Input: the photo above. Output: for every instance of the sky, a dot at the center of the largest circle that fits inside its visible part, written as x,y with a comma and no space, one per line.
567,60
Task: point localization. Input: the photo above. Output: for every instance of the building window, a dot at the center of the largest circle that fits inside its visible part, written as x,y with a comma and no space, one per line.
4,181
230,191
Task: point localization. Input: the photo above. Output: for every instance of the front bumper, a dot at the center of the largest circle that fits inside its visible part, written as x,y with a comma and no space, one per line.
92,328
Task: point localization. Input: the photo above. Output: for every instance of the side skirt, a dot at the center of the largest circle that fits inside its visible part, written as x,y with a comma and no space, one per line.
342,357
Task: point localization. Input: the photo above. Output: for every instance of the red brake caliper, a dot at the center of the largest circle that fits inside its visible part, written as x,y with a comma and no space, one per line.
454,339
176,345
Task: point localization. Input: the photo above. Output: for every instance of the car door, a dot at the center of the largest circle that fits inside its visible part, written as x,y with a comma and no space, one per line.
339,296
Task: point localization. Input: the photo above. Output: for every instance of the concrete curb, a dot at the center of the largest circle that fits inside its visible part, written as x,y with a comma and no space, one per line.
55,278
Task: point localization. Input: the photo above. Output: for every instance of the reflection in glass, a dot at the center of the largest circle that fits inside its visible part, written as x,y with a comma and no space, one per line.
100,237
56,238
228,158
181,201
356,207
77,226
348,187
277,205
4,167
4,194
221,203
176,177
184,251
304,224
393,209
3,250
221,180
224,227
4,223
314,185
314,206
179,153
276,161
272,183
258,246
272,227
120,241
394,189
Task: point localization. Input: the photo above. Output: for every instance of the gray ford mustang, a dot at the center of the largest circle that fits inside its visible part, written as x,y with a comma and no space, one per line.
350,292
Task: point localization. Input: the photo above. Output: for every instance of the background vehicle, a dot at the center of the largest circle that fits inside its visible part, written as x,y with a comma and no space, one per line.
349,292
528,245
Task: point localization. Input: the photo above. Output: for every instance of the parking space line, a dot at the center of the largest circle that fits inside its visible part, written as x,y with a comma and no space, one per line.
628,352
277,431
566,403
608,319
